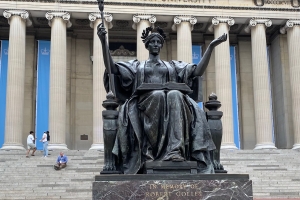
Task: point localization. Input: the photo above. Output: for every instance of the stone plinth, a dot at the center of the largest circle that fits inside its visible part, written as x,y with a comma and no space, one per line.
171,186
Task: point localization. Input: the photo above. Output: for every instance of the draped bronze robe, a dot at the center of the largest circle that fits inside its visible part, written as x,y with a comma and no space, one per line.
159,124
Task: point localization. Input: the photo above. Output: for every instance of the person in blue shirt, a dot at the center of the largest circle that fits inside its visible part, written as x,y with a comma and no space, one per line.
61,161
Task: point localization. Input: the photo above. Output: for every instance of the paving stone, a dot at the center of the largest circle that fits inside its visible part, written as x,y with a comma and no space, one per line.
89,170
77,190
284,193
44,166
53,185
82,180
271,169
242,159
262,165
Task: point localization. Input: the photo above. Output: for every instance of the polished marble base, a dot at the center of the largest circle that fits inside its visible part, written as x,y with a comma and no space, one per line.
173,187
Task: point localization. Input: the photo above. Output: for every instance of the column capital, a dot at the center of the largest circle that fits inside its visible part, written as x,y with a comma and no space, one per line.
183,18
107,16
217,20
254,21
289,24
138,17
62,14
22,13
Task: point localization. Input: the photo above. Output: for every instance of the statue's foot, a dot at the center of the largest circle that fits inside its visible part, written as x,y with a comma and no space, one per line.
109,167
174,158
221,167
218,166
177,158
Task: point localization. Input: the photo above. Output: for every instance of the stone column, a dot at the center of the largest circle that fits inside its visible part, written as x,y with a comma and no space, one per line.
184,26
17,19
141,22
223,79
59,21
261,83
99,93
293,32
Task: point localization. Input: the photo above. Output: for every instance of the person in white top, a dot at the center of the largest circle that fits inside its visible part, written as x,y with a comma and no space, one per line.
45,144
30,144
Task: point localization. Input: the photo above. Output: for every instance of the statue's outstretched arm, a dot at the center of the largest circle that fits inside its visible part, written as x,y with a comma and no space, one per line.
101,32
202,65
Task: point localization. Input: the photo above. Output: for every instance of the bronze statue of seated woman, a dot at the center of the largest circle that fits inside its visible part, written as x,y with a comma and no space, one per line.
158,120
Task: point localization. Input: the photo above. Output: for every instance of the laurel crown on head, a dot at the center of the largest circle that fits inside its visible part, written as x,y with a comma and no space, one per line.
160,34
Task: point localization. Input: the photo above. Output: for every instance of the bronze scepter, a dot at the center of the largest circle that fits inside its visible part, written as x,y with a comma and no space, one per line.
101,8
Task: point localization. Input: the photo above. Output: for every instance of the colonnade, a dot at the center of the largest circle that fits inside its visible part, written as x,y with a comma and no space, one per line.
60,21
292,28
261,83
18,20
223,79
98,71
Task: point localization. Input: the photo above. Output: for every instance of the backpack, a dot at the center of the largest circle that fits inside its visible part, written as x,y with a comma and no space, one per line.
48,137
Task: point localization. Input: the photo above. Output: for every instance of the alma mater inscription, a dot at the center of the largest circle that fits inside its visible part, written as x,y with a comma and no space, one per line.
190,190
211,187
278,2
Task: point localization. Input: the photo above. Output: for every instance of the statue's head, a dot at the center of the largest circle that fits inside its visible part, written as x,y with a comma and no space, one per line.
159,34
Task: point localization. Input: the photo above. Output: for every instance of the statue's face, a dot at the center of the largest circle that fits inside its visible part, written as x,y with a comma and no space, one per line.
154,46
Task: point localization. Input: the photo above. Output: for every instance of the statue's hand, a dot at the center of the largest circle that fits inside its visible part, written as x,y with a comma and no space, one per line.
219,40
101,32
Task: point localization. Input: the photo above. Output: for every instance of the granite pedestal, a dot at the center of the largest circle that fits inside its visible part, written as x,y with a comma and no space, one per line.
173,187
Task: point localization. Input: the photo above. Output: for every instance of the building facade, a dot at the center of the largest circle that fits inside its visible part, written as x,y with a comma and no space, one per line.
52,67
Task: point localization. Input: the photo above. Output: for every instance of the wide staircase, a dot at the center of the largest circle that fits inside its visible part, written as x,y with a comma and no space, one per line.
35,178
275,173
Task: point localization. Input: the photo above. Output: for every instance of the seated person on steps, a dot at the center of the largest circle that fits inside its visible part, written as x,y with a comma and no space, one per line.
61,161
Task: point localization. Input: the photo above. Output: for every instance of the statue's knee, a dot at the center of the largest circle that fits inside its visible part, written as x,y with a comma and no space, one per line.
174,94
158,93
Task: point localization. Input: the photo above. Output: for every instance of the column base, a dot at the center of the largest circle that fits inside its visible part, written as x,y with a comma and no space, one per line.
228,146
296,146
13,147
57,146
265,146
97,147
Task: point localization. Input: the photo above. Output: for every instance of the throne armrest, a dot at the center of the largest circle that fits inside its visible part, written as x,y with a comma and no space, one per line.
118,91
197,94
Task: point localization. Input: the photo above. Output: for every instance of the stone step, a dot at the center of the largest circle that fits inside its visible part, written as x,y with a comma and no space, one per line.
273,172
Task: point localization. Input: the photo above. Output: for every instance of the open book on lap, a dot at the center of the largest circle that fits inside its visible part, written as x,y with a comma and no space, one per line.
182,87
